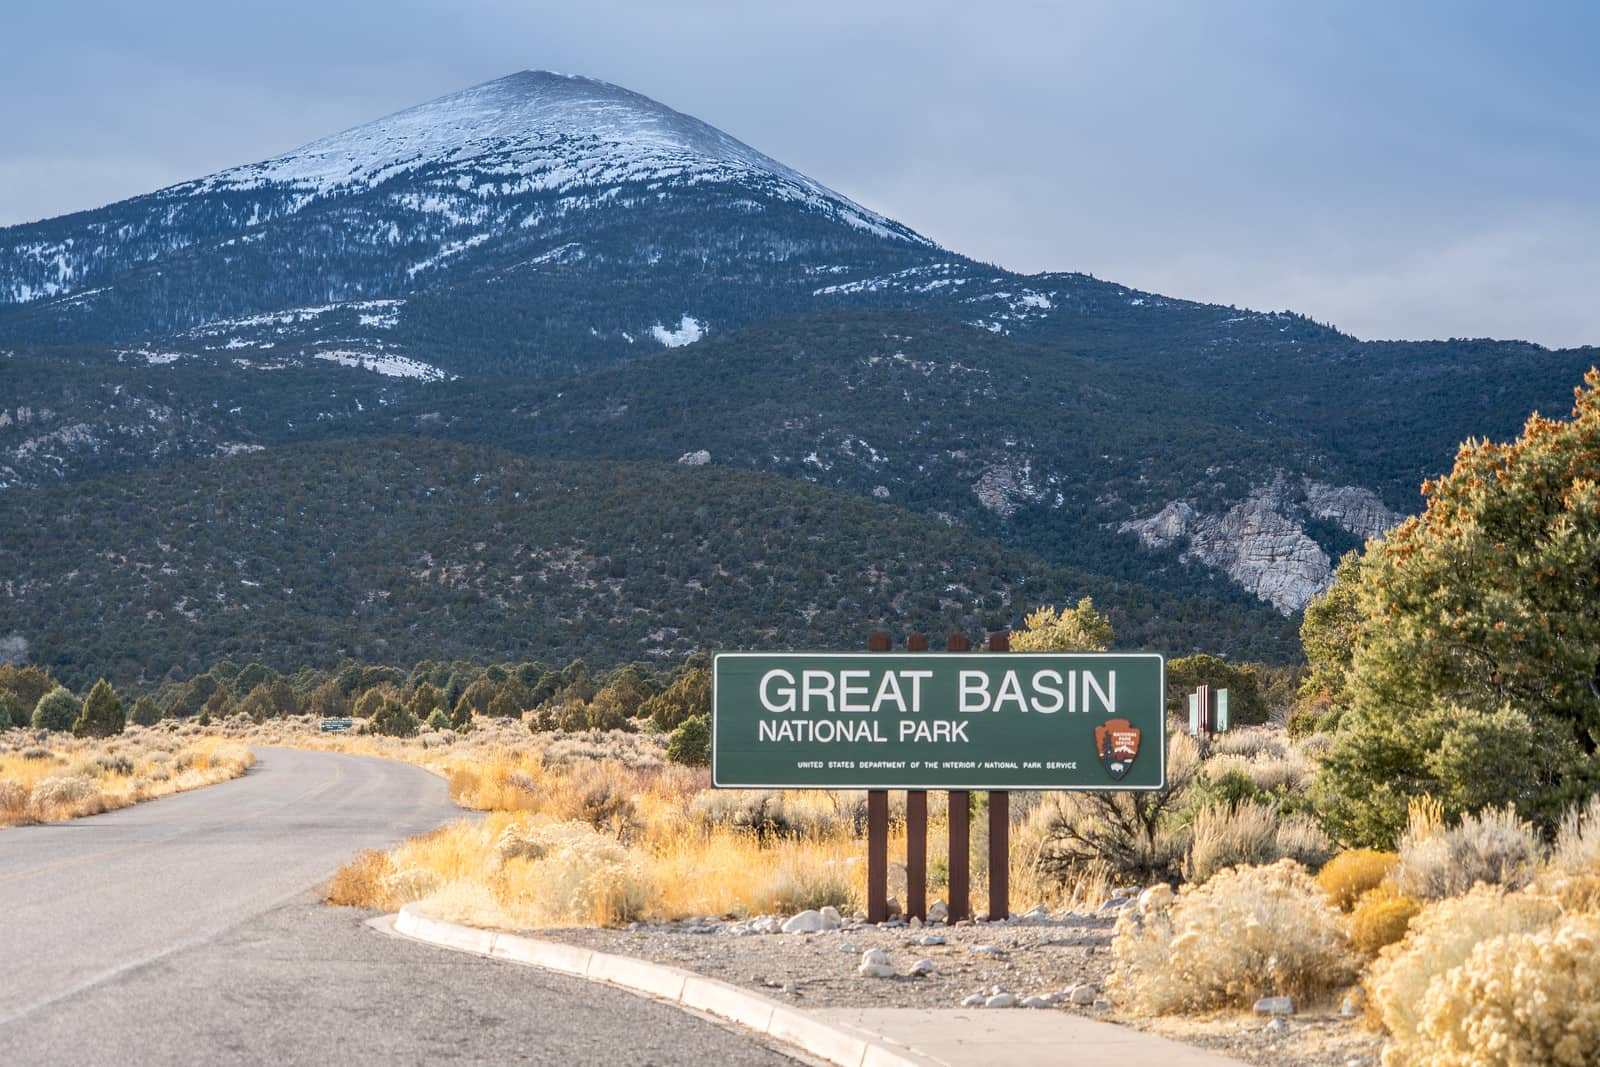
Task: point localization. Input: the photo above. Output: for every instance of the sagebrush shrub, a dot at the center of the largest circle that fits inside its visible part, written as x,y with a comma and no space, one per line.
1440,938
1248,932
13,800
1494,847
578,876
1530,998
1250,834
1351,875
61,790
1381,918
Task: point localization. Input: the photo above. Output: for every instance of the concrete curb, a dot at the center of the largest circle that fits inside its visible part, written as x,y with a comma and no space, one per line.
826,1041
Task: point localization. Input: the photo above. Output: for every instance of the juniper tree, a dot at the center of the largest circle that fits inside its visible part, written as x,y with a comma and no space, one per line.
56,710
1467,656
102,714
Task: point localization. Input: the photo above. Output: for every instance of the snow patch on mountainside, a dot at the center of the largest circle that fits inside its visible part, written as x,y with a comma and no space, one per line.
689,331
386,363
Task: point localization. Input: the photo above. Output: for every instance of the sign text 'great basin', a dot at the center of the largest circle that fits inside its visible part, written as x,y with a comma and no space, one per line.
938,721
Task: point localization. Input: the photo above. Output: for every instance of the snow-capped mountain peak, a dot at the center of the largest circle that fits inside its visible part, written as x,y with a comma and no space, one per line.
535,131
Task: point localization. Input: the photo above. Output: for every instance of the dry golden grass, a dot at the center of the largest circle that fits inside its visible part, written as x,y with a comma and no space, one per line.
599,829
52,777
360,883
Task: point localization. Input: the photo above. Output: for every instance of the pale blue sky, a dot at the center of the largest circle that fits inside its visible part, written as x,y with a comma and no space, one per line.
1398,169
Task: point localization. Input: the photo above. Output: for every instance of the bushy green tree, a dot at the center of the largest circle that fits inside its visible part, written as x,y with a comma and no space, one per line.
56,710
145,712
1079,629
1474,627
270,700
393,719
195,696
27,684
690,743
425,700
11,713
102,714
686,698
438,720
329,700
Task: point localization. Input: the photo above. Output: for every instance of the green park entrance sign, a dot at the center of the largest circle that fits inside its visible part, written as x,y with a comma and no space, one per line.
962,721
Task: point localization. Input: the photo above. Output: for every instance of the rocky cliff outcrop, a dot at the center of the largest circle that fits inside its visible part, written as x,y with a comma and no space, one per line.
1261,542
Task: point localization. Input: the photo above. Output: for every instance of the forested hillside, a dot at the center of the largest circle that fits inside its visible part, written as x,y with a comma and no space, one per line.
391,550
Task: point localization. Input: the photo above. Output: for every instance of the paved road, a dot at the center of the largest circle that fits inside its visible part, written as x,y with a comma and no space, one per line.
185,931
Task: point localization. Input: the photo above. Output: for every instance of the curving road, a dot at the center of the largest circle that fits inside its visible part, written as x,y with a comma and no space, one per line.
186,931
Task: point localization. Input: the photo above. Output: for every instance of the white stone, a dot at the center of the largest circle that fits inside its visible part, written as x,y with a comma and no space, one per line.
938,912
894,906
881,492
984,950
974,1001
791,988
1276,1026
921,967
1157,896
1001,1000
876,970
1275,1006
809,922
1082,995
695,459
915,923
930,939
831,913
1036,1002
874,955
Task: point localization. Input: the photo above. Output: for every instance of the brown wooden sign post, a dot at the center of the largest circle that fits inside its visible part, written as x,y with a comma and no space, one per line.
917,829
878,827
999,827
960,826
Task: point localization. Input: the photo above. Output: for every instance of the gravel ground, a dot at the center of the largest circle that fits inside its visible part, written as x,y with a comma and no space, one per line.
1037,956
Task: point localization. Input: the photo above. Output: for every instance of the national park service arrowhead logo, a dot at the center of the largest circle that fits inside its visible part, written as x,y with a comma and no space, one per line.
1117,741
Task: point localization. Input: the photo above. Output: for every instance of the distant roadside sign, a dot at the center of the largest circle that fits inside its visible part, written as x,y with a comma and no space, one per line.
337,726
1092,721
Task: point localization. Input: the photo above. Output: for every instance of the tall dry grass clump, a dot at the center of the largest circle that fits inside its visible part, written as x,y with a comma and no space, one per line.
1251,834
1248,932
1573,874
1494,847
1530,998
66,778
1440,939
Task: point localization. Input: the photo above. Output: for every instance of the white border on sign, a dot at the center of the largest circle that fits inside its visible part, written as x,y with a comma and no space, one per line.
949,657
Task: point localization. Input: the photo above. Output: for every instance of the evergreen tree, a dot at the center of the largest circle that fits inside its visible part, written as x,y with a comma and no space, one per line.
684,699
56,710
102,714
1079,629
1467,646
145,712
11,713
